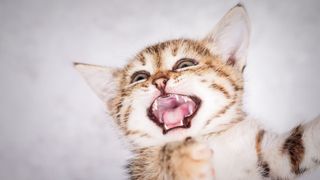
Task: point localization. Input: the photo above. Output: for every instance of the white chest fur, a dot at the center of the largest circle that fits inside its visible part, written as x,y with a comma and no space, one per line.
234,153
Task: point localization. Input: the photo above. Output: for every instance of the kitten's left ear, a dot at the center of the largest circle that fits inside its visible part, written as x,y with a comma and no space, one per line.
230,37
101,79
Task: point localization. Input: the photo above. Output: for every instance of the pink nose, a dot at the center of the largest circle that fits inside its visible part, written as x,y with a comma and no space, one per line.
160,83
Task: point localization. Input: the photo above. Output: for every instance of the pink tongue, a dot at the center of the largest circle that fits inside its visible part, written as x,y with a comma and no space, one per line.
174,117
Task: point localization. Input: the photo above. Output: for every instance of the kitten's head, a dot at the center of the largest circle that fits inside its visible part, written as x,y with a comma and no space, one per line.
177,88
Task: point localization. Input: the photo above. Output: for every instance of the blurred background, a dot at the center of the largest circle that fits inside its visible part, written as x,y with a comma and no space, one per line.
52,126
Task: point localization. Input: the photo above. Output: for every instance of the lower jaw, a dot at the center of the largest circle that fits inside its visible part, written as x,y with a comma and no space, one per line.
186,125
174,129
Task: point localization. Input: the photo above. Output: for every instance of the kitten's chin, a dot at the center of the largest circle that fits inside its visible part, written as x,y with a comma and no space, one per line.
173,112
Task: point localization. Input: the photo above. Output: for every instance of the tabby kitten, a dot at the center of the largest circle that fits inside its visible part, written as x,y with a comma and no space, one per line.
178,100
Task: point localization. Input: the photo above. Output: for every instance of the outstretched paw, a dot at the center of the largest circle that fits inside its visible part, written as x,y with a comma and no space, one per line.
191,160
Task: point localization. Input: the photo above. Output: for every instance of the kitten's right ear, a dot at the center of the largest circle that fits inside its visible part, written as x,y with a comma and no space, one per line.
101,79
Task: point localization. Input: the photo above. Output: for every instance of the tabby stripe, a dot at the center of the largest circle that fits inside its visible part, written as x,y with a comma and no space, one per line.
137,133
118,117
125,125
259,138
124,120
221,89
118,107
263,166
226,127
198,48
174,51
155,52
222,73
126,115
316,161
157,57
141,59
222,111
294,147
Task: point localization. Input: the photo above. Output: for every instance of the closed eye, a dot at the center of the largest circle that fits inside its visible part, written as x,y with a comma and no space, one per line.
139,76
184,63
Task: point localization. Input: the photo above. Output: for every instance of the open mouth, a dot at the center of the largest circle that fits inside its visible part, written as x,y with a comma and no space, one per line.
173,111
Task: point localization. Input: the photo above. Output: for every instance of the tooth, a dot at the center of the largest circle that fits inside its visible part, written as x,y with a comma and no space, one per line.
155,107
181,123
190,109
177,97
155,103
165,127
185,99
160,117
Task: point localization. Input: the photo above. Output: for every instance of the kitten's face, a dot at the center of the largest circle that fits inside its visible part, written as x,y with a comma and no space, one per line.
177,88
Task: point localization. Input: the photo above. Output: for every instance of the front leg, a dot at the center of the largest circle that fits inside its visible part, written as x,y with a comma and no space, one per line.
290,155
187,160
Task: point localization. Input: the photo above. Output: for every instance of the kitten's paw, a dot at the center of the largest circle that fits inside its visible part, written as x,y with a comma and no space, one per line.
197,151
191,160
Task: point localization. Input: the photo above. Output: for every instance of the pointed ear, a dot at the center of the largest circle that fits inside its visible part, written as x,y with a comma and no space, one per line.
230,37
101,79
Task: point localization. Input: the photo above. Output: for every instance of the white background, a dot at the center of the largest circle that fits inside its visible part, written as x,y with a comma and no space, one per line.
52,127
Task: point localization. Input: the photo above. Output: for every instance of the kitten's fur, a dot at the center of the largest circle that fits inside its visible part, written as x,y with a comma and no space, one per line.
242,148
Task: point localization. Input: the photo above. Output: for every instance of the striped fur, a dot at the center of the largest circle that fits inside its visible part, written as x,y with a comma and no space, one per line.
242,148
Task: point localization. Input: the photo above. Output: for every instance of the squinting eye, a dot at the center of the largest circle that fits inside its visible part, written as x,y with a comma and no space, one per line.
139,76
184,63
